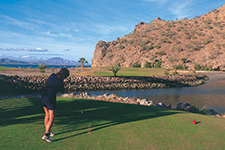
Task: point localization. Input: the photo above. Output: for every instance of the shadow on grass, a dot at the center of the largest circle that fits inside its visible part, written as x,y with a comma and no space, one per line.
96,114
100,114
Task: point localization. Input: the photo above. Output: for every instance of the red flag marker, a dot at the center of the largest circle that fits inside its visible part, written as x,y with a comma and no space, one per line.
194,122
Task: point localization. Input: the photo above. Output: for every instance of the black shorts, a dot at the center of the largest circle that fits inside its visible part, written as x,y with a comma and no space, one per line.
49,105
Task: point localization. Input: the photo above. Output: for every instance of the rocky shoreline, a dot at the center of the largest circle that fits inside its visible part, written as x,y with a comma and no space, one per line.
29,84
73,84
131,100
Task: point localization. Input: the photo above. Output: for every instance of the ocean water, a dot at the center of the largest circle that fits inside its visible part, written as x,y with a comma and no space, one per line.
211,94
35,66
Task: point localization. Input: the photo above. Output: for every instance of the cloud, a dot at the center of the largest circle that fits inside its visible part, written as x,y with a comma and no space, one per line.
181,10
67,50
16,22
57,35
39,49
27,56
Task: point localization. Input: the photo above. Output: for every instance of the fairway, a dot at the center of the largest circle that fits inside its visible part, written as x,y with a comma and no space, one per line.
106,125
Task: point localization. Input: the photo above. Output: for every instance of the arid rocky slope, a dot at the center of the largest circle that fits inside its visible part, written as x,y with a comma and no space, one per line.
185,42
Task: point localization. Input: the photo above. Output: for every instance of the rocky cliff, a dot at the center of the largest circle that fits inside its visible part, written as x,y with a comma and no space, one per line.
185,42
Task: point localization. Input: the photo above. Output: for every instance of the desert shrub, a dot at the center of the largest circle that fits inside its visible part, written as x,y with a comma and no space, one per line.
178,29
164,40
212,57
167,29
157,64
148,30
210,36
137,65
178,42
196,48
157,46
110,56
183,60
128,34
208,21
177,67
203,68
218,46
194,37
166,73
185,67
223,45
191,31
209,27
169,25
153,57
201,34
144,35
188,37
143,43
198,67
215,11
131,42
206,41
168,34
223,35
122,47
121,58
161,53
148,47
103,44
123,40
216,23
148,65
177,48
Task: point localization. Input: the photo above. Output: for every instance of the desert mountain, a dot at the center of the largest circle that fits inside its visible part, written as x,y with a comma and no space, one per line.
56,61
50,61
11,61
189,42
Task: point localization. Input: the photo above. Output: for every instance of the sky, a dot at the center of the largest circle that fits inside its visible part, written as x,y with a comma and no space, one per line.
70,29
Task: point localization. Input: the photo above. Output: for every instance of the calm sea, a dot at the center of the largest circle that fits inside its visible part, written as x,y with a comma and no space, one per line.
35,66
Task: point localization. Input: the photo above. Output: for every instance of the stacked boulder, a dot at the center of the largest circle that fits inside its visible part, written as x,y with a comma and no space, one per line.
130,100
27,84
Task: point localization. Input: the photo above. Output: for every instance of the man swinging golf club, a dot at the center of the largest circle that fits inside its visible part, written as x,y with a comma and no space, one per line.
53,85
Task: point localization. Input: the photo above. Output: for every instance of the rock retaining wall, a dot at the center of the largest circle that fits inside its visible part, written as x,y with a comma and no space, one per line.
24,84
131,100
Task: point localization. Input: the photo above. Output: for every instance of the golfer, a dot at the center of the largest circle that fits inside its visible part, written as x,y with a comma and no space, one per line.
53,85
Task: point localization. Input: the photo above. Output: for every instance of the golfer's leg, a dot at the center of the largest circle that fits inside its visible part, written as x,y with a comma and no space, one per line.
46,116
50,121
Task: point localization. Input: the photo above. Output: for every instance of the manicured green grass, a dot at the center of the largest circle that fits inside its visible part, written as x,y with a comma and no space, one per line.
106,125
4,68
128,71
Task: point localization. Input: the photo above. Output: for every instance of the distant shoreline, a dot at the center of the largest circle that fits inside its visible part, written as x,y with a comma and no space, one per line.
36,65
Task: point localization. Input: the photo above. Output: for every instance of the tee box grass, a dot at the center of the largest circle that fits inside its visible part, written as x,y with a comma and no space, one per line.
106,125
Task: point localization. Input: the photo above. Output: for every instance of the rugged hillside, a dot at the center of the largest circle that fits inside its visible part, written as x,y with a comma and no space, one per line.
185,42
